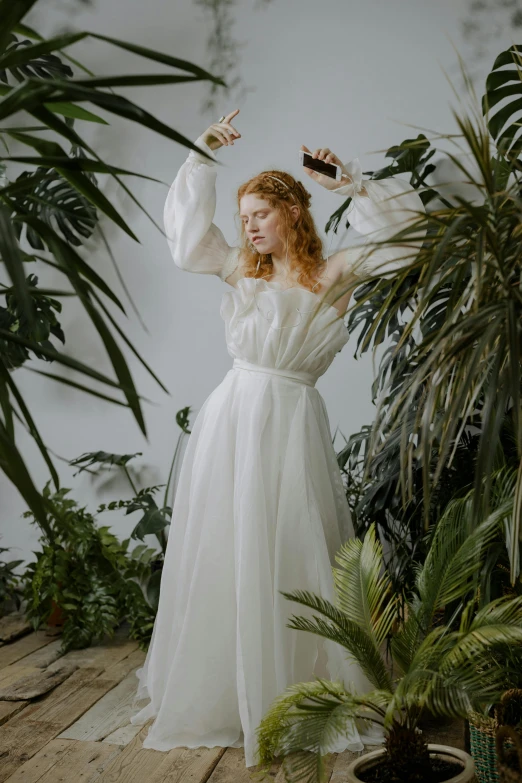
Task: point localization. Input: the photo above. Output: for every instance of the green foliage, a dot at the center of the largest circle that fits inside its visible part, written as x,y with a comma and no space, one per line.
56,206
443,667
504,82
452,320
9,582
13,319
85,571
410,157
154,519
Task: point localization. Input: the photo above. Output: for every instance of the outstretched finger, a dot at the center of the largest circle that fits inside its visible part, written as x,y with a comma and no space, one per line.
231,115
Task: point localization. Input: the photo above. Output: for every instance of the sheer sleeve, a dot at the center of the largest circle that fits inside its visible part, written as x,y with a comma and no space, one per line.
195,242
389,206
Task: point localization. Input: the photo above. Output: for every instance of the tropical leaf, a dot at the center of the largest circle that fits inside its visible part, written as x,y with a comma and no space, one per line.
59,204
455,555
359,641
303,720
504,81
363,588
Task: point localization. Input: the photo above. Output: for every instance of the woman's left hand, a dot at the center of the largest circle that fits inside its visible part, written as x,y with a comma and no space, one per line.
323,153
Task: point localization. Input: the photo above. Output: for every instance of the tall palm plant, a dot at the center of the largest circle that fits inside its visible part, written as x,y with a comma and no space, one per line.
454,365
442,667
58,204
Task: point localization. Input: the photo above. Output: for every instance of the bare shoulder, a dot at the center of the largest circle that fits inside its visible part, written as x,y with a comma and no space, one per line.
341,279
340,264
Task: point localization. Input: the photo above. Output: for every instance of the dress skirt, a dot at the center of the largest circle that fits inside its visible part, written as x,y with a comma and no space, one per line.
260,507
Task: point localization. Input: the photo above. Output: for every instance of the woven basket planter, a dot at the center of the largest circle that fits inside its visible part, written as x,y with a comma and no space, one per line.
509,759
482,738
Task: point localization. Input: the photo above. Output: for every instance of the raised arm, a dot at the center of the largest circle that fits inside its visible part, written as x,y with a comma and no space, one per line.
378,210
195,242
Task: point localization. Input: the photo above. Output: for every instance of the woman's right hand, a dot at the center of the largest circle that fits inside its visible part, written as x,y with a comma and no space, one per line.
221,134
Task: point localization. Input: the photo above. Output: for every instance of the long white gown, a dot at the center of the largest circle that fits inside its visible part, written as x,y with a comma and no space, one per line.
260,505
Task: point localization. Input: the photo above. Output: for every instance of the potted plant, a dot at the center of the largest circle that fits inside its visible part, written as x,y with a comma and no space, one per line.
446,325
87,576
484,728
434,665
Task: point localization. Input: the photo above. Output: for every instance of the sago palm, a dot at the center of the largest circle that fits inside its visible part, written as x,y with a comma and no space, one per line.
441,666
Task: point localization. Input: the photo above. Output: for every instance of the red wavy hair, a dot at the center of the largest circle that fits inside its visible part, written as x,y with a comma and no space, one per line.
304,242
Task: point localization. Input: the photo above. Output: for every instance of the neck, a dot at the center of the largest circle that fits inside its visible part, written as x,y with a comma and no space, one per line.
282,267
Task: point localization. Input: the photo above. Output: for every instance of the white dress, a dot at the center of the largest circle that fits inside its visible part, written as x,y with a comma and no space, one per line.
260,505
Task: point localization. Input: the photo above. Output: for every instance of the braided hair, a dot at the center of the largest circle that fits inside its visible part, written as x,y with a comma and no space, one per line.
282,191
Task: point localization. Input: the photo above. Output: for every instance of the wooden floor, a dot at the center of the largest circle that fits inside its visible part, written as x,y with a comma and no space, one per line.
66,718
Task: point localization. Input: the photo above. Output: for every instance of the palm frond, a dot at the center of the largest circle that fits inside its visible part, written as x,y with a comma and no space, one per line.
339,628
363,588
455,555
303,721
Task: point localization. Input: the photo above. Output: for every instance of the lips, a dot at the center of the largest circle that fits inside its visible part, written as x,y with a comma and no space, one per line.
256,239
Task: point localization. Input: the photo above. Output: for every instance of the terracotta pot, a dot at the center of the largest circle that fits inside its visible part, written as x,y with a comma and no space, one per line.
57,616
442,751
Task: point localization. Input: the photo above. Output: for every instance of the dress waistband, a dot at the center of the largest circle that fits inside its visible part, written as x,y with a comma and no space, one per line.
302,377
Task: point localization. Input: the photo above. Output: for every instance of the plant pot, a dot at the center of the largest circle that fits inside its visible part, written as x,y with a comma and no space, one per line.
445,752
57,617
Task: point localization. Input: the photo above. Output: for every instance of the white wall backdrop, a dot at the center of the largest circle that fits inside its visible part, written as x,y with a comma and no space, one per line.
344,74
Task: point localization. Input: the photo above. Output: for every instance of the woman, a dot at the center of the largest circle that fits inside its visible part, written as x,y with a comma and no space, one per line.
260,506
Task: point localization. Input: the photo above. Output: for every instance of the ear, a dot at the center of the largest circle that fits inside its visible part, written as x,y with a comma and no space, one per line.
295,211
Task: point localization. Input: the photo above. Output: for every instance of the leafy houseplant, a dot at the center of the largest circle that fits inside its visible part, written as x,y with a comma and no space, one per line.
9,583
154,519
433,666
84,576
55,207
90,576
453,319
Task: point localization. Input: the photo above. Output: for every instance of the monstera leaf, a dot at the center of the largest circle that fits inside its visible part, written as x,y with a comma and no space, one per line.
44,66
505,81
51,197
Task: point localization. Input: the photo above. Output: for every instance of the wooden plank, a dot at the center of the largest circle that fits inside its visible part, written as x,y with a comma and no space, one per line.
110,713
63,761
80,691
135,763
44,760
329,763
8,709
37,683
13,626
123,735
44,656
187,765
15,651
24,735
231,768
30,664
40,722
83,658
11,674
180,765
